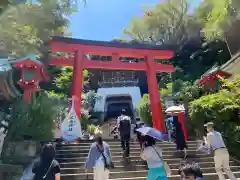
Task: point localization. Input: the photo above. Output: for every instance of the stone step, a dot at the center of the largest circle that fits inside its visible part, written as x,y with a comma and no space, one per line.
133,149
133,175
119,153
122,163
207,176
113,141
166,154
138,168
118,143
144,178
119,158
72,161
132,167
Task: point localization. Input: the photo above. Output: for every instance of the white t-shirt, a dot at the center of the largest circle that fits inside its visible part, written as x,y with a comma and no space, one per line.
150,155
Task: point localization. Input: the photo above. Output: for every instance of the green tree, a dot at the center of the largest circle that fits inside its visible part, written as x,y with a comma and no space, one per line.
89,99
186,91
167,23
25,28
144,109
221,108
170,23
218,15
3,5
63,80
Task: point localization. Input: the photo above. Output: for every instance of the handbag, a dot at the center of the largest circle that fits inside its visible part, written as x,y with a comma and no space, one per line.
107,165
166,166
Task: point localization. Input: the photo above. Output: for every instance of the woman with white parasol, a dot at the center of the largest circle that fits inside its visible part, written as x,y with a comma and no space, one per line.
180,137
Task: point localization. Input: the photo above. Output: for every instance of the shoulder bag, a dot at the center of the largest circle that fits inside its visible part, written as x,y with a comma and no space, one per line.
45,176
166,166
107,165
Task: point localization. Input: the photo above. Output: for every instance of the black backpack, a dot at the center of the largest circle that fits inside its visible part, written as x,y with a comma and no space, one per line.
125,126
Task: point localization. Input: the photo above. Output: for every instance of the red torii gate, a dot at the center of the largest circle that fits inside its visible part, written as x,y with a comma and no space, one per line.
116,50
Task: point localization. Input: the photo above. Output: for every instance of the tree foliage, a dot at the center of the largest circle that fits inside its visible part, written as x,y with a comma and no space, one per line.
144,110
171,23
167,23
143,107
186,91
197,56
219,15
35,120
3,5
63,80
25,28
89,99
221,108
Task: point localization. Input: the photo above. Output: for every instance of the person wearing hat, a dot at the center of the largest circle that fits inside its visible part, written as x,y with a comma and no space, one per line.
221,156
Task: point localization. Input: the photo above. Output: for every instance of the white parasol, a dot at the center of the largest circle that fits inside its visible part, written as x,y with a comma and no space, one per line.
175,109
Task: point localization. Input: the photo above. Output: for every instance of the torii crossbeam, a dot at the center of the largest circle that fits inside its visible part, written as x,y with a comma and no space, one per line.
115,49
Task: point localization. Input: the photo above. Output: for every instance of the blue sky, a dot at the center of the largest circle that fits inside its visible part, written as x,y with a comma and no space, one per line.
106,19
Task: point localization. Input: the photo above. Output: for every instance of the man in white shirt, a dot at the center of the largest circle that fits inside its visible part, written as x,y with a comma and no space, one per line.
221,156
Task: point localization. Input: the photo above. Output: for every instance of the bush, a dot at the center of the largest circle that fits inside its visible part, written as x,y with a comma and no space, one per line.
34,121
144,110
220,108
84,118
89,99
10,172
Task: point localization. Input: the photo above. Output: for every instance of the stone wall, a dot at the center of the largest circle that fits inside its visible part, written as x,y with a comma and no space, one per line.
20,153
10,172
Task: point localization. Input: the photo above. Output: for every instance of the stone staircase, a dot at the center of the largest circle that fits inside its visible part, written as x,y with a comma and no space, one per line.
72,160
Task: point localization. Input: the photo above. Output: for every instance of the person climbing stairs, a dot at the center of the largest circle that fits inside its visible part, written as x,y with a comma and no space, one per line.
72,160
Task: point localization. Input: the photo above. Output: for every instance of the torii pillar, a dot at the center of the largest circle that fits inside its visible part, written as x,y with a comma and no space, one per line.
154,95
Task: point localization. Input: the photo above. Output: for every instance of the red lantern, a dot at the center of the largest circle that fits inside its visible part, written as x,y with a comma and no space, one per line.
32,74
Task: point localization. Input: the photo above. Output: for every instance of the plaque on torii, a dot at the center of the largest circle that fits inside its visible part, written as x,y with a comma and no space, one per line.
116,50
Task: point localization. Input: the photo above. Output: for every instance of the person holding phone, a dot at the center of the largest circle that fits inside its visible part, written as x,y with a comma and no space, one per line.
221,156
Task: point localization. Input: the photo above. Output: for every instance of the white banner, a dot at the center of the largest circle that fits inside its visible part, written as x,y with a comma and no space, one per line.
71,128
